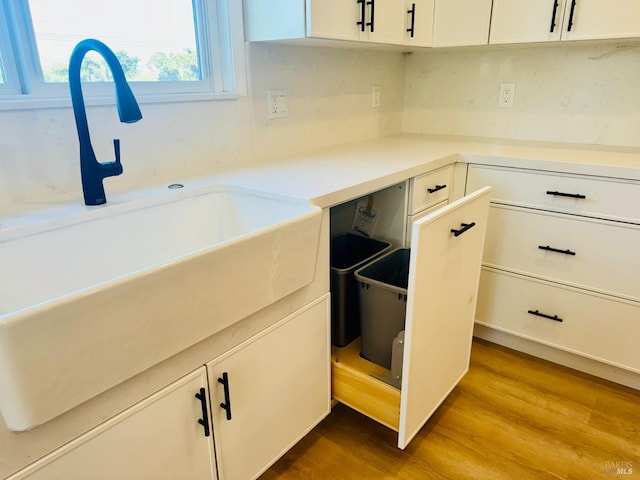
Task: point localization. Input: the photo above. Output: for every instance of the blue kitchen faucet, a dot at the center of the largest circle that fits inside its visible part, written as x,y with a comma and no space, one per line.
92,171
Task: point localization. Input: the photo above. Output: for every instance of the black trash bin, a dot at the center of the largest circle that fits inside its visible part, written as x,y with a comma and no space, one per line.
383,303
349,252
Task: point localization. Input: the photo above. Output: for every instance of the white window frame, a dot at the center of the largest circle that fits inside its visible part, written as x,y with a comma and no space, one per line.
220,49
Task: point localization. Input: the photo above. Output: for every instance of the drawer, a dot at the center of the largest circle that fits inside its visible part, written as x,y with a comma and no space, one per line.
602,328
587,253
353,384
430,189
609,198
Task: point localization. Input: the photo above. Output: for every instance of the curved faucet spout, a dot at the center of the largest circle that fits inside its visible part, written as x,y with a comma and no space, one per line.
92,171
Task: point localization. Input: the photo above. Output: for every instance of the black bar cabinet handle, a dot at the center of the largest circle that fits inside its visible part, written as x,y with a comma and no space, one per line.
436,188
555,318
553,16
371,24
363,12
556,250
465,227
562,194
204,421
412,12
573,8
226,406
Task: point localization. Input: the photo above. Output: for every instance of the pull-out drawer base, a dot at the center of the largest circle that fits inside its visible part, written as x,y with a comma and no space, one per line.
353,385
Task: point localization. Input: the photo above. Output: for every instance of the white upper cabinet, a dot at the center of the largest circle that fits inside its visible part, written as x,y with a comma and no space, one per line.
418,23
461,22
375,21
521,21
337,19
593,19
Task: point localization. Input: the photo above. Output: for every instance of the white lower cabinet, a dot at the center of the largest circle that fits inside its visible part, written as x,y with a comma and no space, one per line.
446,253
159,438
278,390
267,394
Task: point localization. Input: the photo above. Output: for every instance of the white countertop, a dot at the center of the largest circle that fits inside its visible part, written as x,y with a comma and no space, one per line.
329,176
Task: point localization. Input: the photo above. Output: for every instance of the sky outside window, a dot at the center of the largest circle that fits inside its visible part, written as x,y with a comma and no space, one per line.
153,40
2,77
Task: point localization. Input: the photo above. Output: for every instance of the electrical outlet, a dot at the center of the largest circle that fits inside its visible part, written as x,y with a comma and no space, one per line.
375,96
507,95
278,103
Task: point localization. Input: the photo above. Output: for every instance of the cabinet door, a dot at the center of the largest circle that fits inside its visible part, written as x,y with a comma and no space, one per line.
461,22
387,17
278,388
593,19
159,438
521,21
334,19
444,273
418,24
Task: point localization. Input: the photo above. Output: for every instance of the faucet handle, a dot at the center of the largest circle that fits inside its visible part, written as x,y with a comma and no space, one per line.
116,148
117,166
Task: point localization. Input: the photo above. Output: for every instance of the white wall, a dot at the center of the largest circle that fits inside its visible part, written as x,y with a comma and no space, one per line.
569,92
329,103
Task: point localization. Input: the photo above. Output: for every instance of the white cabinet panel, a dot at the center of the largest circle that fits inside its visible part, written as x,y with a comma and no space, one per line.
430,189
374,21
336,19
593,19
609,198
461,22
159,439
387,21
418,23
585,253
521,21
278,389
602,328
518,21
443,282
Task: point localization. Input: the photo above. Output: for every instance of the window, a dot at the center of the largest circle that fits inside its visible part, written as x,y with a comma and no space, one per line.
3,79
169,47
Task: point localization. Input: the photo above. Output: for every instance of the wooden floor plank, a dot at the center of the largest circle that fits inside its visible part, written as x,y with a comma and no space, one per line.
513,416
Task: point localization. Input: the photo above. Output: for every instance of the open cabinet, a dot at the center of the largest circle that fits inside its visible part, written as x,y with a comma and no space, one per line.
444,271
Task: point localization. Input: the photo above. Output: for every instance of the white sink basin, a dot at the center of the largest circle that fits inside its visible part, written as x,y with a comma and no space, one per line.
90,303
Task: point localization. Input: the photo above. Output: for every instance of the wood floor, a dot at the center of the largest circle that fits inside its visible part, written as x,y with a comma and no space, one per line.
512,417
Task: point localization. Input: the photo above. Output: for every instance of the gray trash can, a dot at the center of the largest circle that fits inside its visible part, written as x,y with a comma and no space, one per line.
348,253
383,304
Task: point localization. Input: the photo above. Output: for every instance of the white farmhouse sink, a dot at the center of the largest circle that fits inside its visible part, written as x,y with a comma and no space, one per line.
89,303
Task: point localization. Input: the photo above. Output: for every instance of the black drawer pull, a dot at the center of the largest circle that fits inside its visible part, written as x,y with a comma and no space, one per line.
573,8
553,16
226,406
562,194
371,24
363,10
555,318
557,250
204,421
412,12
465,227
437,188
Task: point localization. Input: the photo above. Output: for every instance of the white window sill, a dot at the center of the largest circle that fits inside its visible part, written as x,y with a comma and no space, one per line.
22,102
